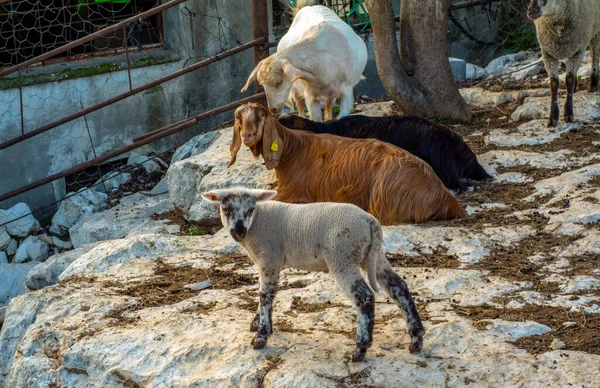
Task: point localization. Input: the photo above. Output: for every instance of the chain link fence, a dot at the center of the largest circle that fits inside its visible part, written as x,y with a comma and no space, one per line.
116,66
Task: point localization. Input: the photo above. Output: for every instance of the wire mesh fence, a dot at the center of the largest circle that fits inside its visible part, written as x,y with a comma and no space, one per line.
146,49
127,59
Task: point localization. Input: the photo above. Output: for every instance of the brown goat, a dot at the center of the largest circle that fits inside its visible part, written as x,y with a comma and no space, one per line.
390,183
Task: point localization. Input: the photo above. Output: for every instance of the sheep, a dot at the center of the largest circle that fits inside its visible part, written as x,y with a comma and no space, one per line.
564,28
388,182
444,150
331,237
319,59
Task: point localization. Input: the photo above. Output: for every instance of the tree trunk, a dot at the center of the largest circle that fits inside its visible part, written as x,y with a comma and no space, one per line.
420,80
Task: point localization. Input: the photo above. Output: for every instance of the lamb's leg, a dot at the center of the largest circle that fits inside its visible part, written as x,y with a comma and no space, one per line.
351,281
397,289
551,65
269,278
346,101
256,320
571,79
595,47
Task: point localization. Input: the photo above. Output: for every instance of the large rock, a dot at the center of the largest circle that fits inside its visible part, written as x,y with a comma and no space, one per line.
72,209
529,134
151,164
474,72
125,219
112,181
585,105
188,178
31,249
46,274
3,257
93,334
5,238
479,97
459,69
11,250
13,280
195,146
511,62
135,256
24,223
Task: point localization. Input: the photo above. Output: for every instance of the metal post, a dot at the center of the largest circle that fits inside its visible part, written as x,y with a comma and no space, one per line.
260,29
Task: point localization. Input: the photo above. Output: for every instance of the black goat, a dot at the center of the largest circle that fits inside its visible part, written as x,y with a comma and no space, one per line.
446,152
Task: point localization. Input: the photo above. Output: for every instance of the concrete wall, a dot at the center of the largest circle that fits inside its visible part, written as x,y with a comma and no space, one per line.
212,27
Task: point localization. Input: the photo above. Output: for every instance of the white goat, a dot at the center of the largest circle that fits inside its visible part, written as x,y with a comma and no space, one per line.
320,58
564,29
332,237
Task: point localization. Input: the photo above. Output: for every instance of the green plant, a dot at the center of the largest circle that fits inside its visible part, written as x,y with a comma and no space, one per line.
193,231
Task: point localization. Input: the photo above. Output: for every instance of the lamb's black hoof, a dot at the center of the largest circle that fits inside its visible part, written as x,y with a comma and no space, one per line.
259,343
359,355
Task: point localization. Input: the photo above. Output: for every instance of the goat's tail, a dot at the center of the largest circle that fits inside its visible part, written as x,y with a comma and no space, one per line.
299,5
374,254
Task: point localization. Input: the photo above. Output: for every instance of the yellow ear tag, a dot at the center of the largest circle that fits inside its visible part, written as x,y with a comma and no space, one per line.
274,146
230,153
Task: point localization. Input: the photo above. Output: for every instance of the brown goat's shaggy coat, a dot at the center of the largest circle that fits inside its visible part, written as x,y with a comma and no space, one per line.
388,182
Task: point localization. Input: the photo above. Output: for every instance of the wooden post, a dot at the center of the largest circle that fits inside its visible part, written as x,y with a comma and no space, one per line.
260,29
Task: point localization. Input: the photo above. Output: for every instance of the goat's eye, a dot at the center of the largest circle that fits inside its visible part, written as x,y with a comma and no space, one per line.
248,213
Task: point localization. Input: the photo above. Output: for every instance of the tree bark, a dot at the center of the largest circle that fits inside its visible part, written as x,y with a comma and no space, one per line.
420,80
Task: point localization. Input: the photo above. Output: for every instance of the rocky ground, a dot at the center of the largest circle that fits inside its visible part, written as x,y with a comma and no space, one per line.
510,294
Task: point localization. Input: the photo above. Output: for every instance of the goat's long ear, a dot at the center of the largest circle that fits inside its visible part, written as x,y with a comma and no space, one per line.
294,74
252,77
236,142
272,144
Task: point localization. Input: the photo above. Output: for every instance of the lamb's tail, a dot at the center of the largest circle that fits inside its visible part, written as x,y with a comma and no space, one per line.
299,5
375,253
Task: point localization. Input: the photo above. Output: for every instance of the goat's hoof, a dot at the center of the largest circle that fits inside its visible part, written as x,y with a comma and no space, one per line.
552,123
569,119
359,355
593,89
259,342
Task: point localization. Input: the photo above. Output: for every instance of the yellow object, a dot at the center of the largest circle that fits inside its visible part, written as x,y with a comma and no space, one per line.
274,146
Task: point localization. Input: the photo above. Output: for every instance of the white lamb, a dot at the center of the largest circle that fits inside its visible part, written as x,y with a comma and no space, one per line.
564,29
333,237
319,59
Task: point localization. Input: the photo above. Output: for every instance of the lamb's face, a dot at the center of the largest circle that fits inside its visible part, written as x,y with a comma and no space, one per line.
238,207
538,8
237,214
277,86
